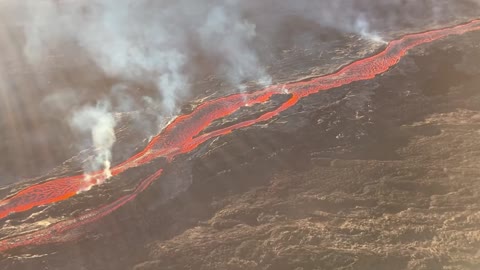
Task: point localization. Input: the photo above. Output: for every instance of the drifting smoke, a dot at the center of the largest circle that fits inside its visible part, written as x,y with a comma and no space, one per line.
363,28
232,37
145,43
164,47
150,42
98,123
128,42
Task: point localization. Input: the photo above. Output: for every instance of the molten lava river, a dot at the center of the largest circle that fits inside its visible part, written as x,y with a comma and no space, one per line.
185,133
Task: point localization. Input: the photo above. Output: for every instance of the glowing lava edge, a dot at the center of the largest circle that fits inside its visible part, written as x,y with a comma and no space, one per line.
184,135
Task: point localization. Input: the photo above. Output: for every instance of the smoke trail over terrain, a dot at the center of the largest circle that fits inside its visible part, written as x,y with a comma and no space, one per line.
184,134
98,123
156,51
144,43
232,36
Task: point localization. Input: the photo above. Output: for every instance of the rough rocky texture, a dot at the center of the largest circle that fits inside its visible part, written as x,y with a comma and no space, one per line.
418,212
408,198
380,174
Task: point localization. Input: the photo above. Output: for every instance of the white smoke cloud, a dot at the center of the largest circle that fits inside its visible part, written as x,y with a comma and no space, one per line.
127,42
98,123
362,27
157,44
232,37
148,43
141,42
145,42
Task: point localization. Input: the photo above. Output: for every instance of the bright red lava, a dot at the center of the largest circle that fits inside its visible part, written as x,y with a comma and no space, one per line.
182,136
58,232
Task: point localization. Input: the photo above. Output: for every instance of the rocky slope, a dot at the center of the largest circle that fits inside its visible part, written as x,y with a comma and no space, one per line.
390,183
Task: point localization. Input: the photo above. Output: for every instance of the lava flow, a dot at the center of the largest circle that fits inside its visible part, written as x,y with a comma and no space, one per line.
184,134
58,231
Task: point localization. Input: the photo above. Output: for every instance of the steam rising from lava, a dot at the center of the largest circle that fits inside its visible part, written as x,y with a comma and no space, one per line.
144,43
99,123
165,46
183,135
232,37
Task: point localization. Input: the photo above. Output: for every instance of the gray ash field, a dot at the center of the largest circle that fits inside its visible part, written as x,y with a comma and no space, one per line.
376,174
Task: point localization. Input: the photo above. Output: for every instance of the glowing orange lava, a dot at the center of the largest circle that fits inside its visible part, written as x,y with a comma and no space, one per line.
183,135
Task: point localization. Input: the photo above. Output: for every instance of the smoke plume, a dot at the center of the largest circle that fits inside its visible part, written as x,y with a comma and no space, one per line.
134,55
97,124
232,37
